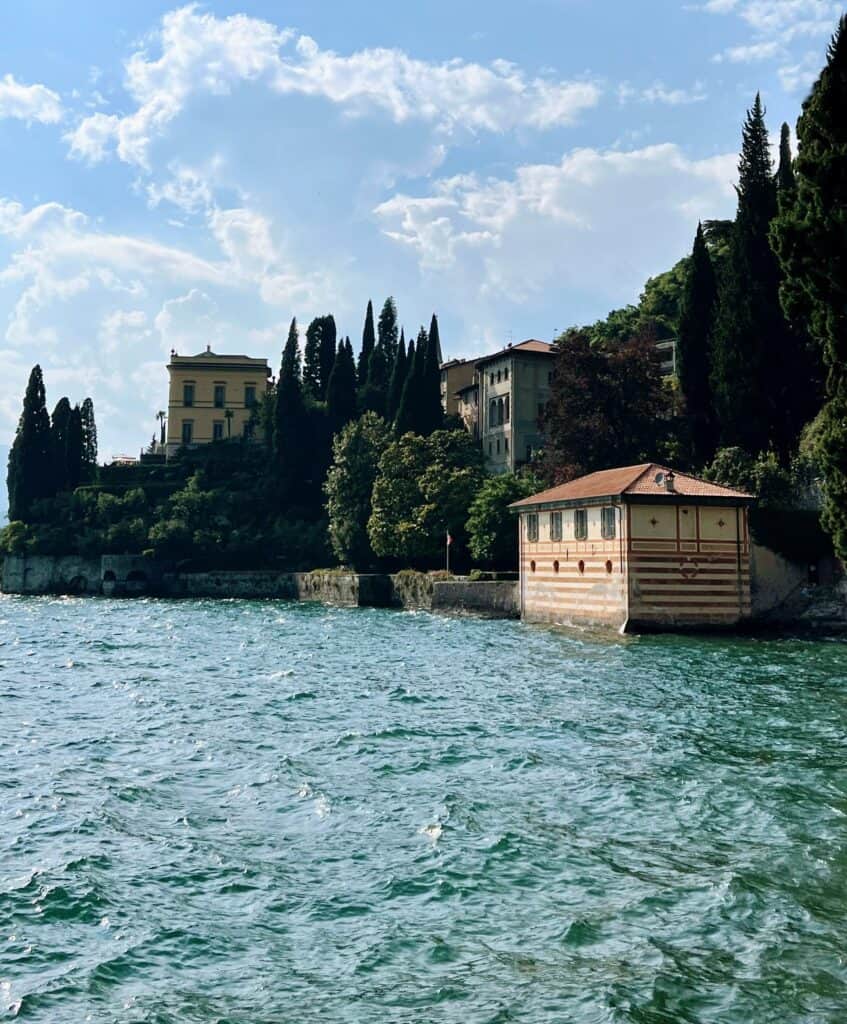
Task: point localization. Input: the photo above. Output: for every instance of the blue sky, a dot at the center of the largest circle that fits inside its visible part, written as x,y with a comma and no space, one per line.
180,176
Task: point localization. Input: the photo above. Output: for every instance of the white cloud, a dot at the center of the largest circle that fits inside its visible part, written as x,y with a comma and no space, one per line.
205,55
189,322
800,75
749,54
122,327
599,221
29,102
658,92
187,187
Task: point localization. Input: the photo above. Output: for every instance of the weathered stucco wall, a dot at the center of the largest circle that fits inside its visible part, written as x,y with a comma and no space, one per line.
495,598
773,579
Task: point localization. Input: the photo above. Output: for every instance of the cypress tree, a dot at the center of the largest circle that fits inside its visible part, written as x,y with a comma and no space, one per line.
312,359
60,422
30,462
368,342
74,450
387,331
89,440
432,414
696,322
398,379
810,237
326,352
406,419
785,169
341,390
290,442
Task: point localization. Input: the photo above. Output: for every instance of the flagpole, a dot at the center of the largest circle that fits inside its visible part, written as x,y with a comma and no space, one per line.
447,548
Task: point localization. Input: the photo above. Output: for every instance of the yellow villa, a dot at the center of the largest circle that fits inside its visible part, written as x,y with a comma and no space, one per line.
635,548
211,397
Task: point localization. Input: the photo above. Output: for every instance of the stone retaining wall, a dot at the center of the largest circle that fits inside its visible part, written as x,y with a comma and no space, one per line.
495,598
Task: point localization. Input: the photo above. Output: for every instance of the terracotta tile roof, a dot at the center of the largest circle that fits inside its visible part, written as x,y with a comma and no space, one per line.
641,480
531,345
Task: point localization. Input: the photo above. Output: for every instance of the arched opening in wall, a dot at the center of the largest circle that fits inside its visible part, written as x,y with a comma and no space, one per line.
581,567
109,576
136,580
556,566
78,585
608,567
532,566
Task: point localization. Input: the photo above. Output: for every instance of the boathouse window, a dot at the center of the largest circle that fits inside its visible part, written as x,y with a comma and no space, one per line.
188,394
607,522
555,526
218,430
532,526
220,396
187,431
580,523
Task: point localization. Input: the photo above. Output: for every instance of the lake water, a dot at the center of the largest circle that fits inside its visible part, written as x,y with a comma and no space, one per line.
265,812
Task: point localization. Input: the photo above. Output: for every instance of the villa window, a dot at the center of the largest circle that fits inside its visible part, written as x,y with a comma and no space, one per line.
498,376
220,396
607,522
499,411
580,523
506,445
492,413
187,431
188,394
532,527
555,526
218,430
491,378
498,445
249,396
506,373
507,409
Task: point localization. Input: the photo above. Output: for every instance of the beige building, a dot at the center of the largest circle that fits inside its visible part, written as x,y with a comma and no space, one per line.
514,386
467,403
211,397
456,375
636,548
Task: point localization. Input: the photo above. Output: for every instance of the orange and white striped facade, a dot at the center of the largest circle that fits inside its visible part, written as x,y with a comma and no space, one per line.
636,548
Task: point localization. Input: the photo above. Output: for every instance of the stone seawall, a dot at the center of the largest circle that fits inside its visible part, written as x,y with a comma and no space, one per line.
50,574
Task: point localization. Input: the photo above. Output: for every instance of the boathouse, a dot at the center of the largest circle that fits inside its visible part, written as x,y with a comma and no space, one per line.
636,548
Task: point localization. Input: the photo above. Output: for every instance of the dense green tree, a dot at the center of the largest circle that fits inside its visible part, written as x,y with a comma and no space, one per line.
89,440
312,361
387,331
60,421
75,450
326,352
409,415
785,181
291,443
423,490
368,344
606,408
341,391
349,487
431,411
810,237
30,459
398,379
492,527
696,322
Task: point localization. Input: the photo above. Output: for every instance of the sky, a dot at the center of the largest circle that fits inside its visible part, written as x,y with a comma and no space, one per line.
173,177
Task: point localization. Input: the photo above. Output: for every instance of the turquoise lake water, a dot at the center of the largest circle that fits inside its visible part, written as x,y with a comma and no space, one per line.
265,812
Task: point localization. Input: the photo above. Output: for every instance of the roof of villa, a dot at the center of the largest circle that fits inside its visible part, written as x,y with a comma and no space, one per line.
529,347
647,481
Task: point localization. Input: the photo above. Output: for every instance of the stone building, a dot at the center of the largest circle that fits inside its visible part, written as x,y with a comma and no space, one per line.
456,375
514,386
635,548
211,397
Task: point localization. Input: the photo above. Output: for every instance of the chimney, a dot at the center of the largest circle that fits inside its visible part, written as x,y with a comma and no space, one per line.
670,477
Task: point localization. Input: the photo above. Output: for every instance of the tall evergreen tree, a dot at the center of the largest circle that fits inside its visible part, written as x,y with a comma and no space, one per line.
759,399
74,451
60,422
398,379
810,237
368,343
410,415
312,359
387,331
697,317
326,352
432,414
785,168
30,462
341,392
290,440
89,440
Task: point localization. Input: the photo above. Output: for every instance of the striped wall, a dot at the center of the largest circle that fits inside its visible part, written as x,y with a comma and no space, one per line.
669,566
556,588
